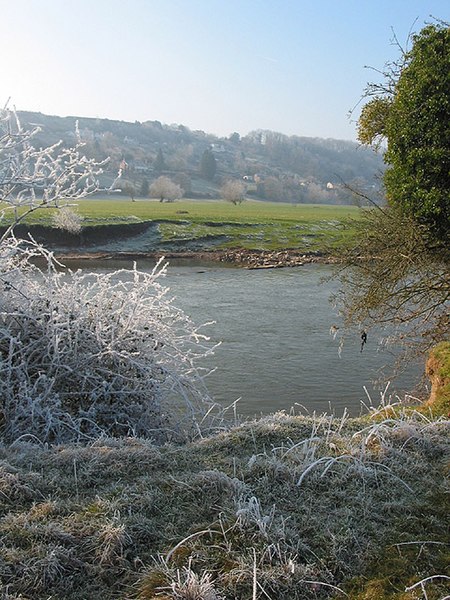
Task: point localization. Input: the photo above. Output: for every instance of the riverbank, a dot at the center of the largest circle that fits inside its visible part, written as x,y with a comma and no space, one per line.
256,235
250,259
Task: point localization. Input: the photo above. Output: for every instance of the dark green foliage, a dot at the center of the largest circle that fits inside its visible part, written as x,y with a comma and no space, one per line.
159,164
208,165
419,132
412,111
145,188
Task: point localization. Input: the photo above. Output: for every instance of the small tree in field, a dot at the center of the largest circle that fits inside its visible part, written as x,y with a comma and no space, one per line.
165,189
83,355
127,188
67,219
233,191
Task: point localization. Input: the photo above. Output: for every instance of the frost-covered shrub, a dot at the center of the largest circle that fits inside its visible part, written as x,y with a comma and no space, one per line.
67,220
83,355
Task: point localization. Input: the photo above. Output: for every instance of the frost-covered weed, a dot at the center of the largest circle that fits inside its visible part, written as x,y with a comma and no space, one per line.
249,512
68,220
83,355
190,586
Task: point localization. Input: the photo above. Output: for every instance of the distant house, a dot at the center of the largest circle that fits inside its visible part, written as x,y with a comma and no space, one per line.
141,168
218,148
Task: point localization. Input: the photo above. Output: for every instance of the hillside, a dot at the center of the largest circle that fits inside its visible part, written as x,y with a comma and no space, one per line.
274,166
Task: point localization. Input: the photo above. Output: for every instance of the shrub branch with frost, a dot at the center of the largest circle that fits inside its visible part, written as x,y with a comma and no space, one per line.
33,179
83,355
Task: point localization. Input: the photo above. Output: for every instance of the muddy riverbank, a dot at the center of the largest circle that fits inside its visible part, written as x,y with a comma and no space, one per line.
141,240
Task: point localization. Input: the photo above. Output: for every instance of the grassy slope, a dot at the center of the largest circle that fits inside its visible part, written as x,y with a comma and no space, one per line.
251,225
295,504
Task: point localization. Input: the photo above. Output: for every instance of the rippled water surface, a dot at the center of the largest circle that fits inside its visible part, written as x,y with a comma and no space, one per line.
276,348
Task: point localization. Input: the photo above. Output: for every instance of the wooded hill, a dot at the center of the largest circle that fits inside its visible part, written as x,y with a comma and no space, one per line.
273,165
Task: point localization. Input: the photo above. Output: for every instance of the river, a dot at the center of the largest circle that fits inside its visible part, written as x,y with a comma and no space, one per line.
276,350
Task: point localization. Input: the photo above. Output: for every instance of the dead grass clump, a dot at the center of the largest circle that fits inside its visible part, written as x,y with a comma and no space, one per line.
18,488
168,582
112,540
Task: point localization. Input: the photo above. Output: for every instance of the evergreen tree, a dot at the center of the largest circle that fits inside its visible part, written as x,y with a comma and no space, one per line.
208,166
159,164
145,188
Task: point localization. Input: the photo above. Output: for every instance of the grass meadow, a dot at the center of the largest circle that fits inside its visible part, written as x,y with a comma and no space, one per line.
251,225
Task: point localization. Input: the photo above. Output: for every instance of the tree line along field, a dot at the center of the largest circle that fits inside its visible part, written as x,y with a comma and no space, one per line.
251,225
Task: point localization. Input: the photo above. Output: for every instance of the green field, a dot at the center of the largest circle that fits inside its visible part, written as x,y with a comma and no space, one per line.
251,225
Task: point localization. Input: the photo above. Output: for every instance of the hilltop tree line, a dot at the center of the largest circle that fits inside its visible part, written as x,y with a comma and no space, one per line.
273,166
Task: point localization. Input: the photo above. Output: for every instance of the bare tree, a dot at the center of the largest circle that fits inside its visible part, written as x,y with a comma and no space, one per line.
233,191
126,188
392,277
165,189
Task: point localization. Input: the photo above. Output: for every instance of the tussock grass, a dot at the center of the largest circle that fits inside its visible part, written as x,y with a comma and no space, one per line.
284,507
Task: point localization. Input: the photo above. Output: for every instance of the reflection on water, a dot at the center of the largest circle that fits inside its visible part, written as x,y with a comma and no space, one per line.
276,348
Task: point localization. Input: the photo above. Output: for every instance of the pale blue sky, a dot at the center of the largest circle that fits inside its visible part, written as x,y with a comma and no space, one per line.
294,66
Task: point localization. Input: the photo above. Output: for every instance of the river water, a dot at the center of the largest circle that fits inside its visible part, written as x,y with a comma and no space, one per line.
276,350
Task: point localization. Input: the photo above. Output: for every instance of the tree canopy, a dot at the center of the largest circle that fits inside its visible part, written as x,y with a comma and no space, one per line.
411,110
165,189
233,191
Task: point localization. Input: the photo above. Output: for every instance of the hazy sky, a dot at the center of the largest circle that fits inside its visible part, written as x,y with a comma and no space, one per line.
294,66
